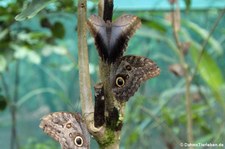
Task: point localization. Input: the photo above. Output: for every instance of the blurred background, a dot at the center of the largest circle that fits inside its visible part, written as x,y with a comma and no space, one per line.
39,71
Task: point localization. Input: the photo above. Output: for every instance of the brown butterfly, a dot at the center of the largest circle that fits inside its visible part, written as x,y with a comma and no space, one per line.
111,38
128,73
66,128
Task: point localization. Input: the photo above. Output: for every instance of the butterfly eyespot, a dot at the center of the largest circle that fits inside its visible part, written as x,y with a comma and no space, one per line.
120,82
69,125
78,141
128,67
70,135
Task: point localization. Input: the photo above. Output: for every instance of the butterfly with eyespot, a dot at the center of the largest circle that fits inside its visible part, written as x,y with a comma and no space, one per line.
111,38
67,128
127,74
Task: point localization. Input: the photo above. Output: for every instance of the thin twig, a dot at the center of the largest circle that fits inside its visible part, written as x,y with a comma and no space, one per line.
187,80
205,42
5,86
159,122
71,57
14,138
17,81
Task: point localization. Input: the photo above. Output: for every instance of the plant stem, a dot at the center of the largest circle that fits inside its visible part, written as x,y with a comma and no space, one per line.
187,80
84,76
5,86
108,12
14,139
110,137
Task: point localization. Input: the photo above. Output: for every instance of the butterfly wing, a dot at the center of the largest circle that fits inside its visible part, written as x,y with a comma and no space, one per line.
122,30
66,128
97,28
111,38
128,73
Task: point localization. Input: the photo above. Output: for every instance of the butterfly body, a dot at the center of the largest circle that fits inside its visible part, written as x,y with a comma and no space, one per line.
66,128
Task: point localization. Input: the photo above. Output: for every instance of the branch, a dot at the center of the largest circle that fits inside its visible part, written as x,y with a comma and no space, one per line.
108,10
84,76
187,79
107,119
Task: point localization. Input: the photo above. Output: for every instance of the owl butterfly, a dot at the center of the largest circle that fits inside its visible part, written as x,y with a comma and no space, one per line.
128,72
66,128
111,38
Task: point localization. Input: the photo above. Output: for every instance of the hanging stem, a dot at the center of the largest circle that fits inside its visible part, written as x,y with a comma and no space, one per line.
187,79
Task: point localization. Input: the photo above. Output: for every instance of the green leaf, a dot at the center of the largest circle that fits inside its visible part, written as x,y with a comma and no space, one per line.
32,9
216,46
207,68
205,138
3,103
32,38
58,30
32,93
158,25
209,71
22,52
132,138
3,63
3,34
48,50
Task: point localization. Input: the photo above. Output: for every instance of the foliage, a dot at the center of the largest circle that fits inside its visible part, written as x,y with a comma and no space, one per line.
3,103
45,46
35,144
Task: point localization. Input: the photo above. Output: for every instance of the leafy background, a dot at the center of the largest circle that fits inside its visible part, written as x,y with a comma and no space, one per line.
39,74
